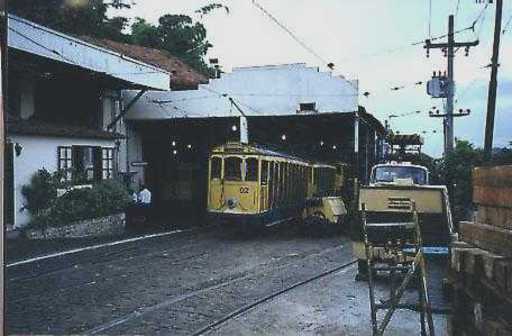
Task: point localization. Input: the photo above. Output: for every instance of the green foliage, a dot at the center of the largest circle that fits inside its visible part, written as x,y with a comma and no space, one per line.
41,192
456,169
177,34
78,17
145,34
103,199
210,8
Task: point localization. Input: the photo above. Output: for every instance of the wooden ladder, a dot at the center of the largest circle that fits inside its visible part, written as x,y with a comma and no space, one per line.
404,247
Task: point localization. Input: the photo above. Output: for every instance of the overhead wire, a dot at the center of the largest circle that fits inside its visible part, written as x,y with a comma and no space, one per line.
457,8
483,17
289,32
53,51
405,114
505,27
429,18
466,89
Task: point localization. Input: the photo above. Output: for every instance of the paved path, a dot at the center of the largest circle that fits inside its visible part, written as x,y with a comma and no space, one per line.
178,284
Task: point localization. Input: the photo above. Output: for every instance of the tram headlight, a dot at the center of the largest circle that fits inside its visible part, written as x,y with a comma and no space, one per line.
232,202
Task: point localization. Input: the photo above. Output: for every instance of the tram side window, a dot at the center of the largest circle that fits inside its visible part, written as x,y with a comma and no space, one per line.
251,173
216,168
282,179
233,169
264,172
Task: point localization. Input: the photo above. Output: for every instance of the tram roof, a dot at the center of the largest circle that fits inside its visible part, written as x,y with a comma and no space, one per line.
259,149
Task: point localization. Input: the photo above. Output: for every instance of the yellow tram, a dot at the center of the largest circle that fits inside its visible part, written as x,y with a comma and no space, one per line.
251,184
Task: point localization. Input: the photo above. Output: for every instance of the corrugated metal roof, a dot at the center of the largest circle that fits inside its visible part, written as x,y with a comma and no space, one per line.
39,40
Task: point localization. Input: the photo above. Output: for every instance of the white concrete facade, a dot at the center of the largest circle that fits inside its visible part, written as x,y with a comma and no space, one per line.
39,152
40,146
262,90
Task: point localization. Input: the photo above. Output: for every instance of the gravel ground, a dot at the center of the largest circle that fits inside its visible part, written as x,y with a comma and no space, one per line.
178,284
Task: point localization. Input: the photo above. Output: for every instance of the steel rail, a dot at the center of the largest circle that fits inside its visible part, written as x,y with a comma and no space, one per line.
143,311
267,298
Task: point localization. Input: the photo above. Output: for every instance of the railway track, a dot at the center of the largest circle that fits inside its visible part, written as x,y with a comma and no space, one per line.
127,253
144,312
267,298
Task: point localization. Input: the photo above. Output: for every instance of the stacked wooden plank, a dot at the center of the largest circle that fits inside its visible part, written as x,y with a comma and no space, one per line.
481,262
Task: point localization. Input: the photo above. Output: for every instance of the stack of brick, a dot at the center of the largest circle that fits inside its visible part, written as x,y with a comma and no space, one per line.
481,261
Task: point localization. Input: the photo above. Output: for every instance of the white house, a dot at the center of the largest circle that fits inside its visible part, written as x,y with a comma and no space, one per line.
63,102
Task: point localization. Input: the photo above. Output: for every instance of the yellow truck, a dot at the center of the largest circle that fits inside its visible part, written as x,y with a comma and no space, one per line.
388,200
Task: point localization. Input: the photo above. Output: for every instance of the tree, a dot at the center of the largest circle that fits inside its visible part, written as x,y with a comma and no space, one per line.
145,34
78,17
178,34
457,168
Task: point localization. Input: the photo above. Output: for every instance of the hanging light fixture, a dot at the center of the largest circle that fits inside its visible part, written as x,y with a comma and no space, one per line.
283,137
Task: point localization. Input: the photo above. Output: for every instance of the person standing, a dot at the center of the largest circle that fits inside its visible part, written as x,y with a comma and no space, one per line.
144,196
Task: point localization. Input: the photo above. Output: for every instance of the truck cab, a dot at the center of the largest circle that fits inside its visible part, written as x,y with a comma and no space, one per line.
399,173
394,188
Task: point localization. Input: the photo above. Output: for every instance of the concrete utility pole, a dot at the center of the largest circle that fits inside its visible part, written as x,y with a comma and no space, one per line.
493,83
448,48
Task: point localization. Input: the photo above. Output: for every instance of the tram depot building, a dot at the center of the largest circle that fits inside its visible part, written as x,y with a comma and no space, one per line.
293,108
139,113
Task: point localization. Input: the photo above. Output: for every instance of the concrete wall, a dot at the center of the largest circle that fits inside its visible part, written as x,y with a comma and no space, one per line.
265,90
96,227
130,148
39,152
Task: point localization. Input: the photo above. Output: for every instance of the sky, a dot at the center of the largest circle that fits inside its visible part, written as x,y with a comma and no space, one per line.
370,41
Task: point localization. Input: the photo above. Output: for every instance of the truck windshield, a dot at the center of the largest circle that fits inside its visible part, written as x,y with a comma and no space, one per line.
391,173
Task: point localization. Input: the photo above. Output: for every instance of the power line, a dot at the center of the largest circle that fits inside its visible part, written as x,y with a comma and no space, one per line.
466,89
438,37
289,32
406,114
429,18
482,16
53,51
507,24
457,8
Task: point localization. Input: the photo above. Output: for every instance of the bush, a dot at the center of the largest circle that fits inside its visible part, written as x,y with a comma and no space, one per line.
103,199
41,193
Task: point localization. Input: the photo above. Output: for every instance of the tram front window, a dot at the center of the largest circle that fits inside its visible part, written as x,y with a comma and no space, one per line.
216,168
391,173
233,169
251,173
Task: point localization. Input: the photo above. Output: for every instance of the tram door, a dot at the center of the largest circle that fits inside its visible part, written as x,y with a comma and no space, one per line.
271,184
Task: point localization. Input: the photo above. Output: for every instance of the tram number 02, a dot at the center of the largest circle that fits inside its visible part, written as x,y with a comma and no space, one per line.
244,190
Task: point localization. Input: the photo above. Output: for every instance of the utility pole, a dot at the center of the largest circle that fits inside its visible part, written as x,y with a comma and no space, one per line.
493,83
244,129
448,49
